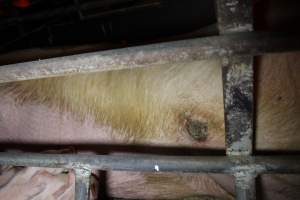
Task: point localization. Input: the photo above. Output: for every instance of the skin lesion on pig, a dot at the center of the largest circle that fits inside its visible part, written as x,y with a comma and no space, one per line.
195,128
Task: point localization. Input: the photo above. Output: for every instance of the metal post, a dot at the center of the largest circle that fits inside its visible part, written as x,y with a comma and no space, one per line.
238,104
82,183
236,16
245,186
151,55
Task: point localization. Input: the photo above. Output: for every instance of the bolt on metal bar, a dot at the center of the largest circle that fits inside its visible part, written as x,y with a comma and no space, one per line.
235,16
150,55
82,183
192,164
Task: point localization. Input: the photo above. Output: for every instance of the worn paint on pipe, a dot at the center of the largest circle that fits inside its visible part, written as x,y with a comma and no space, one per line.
155,54
193,164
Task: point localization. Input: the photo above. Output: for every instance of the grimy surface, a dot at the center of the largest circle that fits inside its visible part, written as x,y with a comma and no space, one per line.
175,106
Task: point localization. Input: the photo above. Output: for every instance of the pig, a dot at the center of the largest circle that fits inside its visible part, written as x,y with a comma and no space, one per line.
174,105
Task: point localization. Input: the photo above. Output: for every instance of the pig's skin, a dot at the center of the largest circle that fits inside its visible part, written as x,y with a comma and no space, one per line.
277,106
136,106
197,92
64,129
37,183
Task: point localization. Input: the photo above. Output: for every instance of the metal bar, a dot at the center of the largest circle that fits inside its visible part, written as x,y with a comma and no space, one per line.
245,186
238,104
69,9
193,164
236,16
119,11
155,54
82,183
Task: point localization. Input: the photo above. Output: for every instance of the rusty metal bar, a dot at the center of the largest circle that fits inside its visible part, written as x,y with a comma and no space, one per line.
245,186
238,104
235,16
193,164
82,183
155,54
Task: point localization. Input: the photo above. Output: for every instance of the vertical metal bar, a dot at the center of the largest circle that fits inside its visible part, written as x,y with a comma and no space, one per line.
82,183
245,187
236,16
238,104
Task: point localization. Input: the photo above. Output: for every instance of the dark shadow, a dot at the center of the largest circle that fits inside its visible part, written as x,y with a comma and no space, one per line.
131,148
102,187
113,148
256,68
259,192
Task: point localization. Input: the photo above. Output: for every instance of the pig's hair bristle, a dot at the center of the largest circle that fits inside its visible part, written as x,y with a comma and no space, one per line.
139,102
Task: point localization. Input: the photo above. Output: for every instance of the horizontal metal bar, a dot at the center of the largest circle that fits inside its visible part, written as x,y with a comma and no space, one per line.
155,54
69,9
194,164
